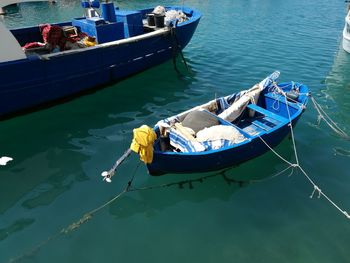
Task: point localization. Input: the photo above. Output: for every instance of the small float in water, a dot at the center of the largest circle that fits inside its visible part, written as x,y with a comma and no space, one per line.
5,159
223,132
45,63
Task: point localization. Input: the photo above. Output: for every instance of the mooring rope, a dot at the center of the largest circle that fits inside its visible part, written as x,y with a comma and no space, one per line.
297,164
130,188
322,115
73,226
320,192
177,50
275,175
276,153
291,129
85,218
89,215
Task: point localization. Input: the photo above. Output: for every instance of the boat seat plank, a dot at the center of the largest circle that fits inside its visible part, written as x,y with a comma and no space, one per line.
261,125
253,130
267,113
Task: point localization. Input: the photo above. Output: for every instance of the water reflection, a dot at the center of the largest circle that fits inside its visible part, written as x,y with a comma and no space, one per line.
55,156
338,84
337,92
155,194
16,226
338,80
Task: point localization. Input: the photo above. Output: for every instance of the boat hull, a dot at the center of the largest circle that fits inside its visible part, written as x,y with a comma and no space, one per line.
37,81
199,163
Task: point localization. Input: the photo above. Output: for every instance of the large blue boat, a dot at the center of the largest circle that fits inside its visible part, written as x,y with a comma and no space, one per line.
45,63
230,130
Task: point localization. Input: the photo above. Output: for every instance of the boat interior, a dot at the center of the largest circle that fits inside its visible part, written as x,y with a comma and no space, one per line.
266,116
269,113
93,29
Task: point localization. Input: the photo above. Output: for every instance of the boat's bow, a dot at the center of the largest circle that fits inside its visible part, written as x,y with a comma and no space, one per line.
10,49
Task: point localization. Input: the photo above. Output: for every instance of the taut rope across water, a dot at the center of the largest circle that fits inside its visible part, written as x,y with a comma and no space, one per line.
334,126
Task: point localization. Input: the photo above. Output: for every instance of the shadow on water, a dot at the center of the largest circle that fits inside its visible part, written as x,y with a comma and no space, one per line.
132,98
197,188
151,195
15,227
50,147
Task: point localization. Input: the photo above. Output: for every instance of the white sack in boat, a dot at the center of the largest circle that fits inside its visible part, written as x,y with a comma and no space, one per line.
172,15
159,10
220,132
181,138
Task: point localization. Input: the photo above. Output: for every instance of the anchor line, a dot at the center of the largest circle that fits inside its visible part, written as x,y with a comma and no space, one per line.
328,120
322,115
297,165
75,225
177,49
130,188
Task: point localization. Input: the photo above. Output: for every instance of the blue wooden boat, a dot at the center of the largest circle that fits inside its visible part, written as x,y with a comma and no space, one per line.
260,117
111,46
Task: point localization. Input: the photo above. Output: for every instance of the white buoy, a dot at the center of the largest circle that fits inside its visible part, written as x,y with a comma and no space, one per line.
5,159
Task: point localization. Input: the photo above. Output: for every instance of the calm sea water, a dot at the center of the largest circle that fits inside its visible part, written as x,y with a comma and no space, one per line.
60,152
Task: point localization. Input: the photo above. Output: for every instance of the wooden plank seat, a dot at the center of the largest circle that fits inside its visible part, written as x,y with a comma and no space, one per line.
267,113
263,120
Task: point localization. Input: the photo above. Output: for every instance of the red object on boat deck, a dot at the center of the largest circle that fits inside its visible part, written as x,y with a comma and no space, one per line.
52,34
33,45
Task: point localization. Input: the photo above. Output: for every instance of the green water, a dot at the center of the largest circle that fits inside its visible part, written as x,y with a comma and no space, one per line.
60,152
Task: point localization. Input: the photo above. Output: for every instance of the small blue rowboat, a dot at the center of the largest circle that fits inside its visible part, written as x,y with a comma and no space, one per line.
230,130
46,63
